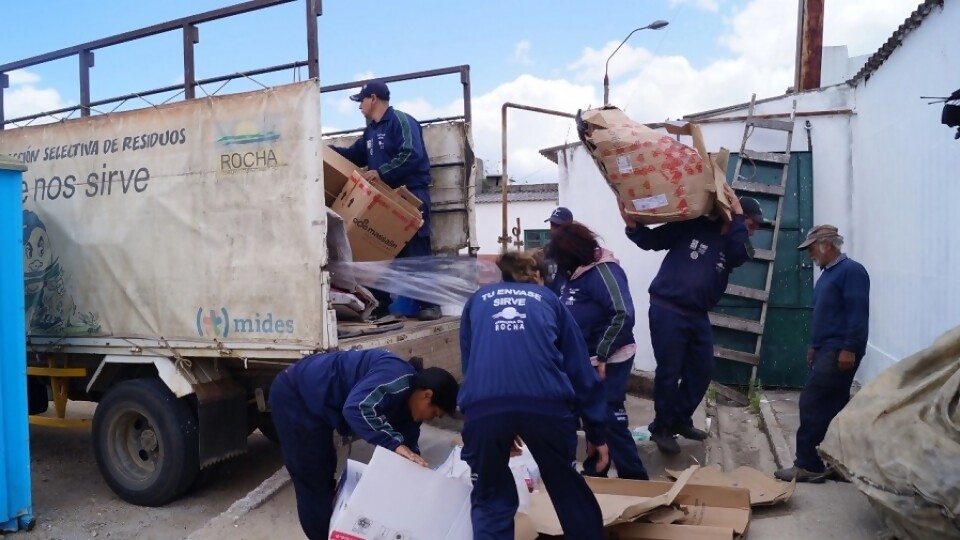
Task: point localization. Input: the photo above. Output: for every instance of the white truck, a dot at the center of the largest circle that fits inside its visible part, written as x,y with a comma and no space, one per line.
176,260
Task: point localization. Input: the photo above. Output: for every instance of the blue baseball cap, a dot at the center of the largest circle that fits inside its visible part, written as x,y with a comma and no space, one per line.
560,216
373,88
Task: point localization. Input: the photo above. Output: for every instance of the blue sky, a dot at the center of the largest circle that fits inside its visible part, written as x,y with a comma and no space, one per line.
538,52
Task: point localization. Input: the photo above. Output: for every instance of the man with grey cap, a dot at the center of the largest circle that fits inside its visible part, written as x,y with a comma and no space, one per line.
841,309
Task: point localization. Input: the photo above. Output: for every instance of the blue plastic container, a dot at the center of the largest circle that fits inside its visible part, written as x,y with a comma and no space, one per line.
16,505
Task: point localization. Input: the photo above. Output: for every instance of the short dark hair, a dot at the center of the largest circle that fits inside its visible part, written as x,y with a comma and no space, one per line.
438,380
573,245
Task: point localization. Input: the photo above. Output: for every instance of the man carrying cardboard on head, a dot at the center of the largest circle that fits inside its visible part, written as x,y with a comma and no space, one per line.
392,149
701,254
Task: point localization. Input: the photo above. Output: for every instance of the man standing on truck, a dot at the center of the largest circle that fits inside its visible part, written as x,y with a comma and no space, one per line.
370,394
701,253
392,149
841,315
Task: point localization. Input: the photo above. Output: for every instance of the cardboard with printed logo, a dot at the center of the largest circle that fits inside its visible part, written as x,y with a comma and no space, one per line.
655,177
379,221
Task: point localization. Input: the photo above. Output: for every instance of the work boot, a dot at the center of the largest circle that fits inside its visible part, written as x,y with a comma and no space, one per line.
802,475
692,433
429,314
835,475
666,442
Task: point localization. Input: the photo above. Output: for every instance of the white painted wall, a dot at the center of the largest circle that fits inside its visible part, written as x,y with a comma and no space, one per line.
490,221
906,192
887,176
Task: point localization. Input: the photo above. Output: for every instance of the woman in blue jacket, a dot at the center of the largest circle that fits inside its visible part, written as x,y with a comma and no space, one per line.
373,395
527,375
598,296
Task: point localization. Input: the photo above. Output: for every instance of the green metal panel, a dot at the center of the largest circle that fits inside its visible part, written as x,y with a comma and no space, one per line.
787,330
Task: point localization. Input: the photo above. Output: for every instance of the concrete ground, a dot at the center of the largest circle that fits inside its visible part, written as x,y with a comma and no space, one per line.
271,513
832,510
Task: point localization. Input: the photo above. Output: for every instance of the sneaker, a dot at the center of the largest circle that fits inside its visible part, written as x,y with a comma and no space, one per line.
666,443
429,314
801,475
692,433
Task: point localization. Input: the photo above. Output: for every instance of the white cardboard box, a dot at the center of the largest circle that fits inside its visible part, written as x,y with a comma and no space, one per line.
393,499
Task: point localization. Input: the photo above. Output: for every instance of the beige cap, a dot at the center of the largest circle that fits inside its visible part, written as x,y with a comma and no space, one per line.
820,232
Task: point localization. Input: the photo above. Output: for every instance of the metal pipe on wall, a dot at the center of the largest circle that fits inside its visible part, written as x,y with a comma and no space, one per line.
504,239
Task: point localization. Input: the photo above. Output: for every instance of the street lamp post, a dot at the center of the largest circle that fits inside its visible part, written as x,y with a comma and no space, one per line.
655,25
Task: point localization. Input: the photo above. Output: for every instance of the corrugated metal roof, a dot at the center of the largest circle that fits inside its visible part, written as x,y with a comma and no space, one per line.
879,57
522,193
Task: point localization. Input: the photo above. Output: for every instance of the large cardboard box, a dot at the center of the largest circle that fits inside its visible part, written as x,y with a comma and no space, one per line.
393,498
655,177
336,170
379,221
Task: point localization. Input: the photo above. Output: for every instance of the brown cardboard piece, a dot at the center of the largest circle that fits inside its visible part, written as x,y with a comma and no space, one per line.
656,178
657,531
764,490
378,221
711,506
618,503
336,170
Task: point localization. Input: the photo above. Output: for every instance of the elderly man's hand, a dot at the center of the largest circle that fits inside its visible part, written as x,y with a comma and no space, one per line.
846,361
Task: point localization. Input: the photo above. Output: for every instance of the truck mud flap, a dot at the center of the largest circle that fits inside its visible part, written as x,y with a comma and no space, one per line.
222,413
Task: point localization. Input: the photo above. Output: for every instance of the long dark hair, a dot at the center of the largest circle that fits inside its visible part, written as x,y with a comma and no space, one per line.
573,245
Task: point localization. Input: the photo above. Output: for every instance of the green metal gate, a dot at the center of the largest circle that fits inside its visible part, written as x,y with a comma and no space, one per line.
786,334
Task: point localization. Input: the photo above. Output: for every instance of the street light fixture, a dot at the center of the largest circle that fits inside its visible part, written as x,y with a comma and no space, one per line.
655,25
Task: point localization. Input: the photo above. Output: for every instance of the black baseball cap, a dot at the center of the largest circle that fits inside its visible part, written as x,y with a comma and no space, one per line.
373,88
751,209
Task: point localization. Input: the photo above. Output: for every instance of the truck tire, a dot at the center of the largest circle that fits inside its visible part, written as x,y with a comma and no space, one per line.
146,442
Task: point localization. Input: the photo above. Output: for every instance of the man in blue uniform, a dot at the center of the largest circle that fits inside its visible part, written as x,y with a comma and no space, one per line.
392,149
841,314
526,374
554,279
373,395
701,253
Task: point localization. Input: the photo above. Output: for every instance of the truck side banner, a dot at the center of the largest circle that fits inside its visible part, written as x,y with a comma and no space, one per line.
199,221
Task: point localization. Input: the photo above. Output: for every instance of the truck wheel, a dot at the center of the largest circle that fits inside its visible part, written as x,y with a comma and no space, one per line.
146,442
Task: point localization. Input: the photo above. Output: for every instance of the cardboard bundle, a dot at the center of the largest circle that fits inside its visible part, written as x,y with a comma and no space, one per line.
656,177
378,220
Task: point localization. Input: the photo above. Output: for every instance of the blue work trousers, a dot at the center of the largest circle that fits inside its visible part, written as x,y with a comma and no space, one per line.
824,395
309,455
623,449
683,348
553,443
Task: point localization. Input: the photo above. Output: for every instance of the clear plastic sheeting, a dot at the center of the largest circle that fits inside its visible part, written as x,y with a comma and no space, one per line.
447,281
898,441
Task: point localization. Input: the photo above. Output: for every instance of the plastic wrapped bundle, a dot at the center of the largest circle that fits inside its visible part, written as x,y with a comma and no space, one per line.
898,441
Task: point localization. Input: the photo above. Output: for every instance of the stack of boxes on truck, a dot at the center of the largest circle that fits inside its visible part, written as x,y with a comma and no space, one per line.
378,220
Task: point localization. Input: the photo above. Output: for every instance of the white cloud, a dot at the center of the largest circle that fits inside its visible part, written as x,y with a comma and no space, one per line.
24,97
864,25
756,55
705,5
19,76
521,53
363,76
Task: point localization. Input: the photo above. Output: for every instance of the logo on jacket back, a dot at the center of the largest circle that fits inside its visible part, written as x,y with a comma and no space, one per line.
509,319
